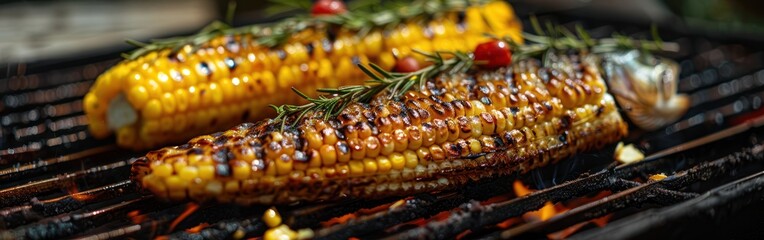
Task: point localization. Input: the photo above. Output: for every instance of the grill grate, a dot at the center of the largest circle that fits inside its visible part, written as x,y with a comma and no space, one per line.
56,181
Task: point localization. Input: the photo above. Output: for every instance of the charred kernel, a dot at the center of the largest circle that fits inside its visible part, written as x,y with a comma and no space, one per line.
329,135
415,137
401,140
437,153
343,151
424,155
441,130
373,147
222,170
357,148
465,127
386,143
452,150
488,123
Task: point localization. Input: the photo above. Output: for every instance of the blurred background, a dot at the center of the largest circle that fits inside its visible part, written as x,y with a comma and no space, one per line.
39,31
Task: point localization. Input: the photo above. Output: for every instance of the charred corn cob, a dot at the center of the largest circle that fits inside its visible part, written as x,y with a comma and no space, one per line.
170,96
459,128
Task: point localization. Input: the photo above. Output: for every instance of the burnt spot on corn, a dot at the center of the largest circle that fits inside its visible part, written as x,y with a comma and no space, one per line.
204,69
222,170
281,54
230,63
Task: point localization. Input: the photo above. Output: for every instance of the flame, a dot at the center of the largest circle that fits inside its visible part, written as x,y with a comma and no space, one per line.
136,217
565,233
197,228
190,208
365,211
74,193
546,212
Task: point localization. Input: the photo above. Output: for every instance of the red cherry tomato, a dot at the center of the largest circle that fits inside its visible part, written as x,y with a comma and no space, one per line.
407,64
493,54
328,7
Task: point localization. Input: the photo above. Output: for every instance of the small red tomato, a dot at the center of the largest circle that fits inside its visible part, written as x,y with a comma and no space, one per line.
328,7
493,54
407,64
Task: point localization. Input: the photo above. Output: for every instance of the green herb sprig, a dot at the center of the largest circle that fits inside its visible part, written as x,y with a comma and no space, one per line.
335,100
274,34
557,37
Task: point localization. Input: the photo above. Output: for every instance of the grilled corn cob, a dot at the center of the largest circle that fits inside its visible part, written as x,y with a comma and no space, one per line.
166,96
459,128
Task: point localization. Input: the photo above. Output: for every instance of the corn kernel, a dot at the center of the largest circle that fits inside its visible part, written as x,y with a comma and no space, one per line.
328,155
412,160
162,170
188,173
153,109
175,183
369,166
138,96
271,217
384,164
398,161
356,168
206,172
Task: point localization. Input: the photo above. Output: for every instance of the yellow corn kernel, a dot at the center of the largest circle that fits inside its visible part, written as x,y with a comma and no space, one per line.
369,166
383,164
412,160
206,172
231,187
153,109
162,170
475,146
188,173
240,170
328,155
356,168
284,164
398,161
271,217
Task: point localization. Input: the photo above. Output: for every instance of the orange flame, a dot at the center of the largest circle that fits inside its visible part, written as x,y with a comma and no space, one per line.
190,208
365,211
197,228
546,212
74,193
136,217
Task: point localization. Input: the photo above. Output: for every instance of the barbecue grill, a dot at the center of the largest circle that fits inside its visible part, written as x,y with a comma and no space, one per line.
704,175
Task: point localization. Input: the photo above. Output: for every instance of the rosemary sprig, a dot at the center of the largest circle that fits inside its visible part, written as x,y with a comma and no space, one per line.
395,84
556,37
276,33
